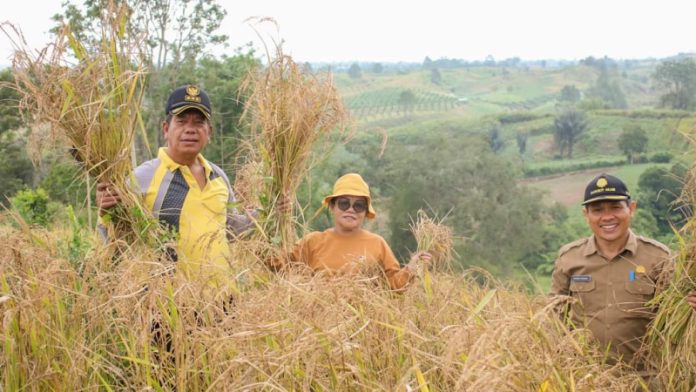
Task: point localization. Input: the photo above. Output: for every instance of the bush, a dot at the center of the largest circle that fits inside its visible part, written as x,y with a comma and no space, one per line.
511,118
573,166
33,206
641,159
645,113
661,157
64,182
541,130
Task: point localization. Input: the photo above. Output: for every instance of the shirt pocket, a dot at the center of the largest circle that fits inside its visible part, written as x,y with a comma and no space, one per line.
637,293
585,292
582,287
215,202
640,287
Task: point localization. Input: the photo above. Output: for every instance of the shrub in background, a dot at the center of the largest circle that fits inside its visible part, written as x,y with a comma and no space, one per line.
33,206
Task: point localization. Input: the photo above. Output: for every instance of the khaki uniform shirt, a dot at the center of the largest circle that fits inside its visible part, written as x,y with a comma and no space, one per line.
610,295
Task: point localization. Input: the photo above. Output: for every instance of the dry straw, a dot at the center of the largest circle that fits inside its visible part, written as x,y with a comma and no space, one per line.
671,339
91,98
290,112
248,183
135,328
434,237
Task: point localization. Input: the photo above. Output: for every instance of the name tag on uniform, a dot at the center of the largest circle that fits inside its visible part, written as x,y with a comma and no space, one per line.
581,278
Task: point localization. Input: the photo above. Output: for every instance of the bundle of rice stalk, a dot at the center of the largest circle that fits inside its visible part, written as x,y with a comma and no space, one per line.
92,105
671,339
434,237
290,112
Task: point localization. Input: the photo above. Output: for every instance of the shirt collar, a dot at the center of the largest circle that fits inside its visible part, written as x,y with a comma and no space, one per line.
173,166
631,245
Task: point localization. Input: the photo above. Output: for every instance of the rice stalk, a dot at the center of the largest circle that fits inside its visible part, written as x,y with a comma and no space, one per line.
248,183
66,331
434,237
291,114
91,100
671,338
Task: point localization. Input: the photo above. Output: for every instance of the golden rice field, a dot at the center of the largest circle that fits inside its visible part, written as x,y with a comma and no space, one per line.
108,328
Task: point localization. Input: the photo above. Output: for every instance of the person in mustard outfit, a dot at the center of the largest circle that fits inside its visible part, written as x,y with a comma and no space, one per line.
347,246
611,275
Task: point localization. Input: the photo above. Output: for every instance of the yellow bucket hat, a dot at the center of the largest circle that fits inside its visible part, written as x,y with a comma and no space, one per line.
352,184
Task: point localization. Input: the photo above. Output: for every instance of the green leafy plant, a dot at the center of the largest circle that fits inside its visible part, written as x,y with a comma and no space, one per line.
33,206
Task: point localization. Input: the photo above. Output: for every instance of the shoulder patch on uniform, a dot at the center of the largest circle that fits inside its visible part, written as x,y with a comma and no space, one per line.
655,243
567,247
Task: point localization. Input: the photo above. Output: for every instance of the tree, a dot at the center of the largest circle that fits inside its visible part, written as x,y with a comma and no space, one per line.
10,117
521,138
407,99
500,221
569,125
427,62
354,71
658,193
633,140
221,79
570,94
608,88
176,31
377,68
678,77
435,76
16,170
177,34
495,139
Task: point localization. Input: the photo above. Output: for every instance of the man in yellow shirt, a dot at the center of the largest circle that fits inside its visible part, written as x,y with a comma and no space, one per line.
187,194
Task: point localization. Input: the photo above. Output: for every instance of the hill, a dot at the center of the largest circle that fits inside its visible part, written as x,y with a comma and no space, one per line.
519,101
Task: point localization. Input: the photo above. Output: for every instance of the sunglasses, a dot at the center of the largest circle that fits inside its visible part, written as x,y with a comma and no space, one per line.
344,204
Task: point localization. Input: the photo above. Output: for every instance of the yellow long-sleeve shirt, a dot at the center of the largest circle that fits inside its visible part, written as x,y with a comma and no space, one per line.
331,251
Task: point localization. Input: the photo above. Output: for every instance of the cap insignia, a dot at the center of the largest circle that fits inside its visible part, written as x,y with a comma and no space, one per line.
602,183
192,94
192,90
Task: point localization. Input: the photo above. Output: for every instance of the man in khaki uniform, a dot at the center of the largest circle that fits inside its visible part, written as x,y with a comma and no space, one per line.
613,273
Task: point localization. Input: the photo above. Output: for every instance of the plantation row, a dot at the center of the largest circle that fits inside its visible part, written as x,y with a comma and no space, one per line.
527,104
398,101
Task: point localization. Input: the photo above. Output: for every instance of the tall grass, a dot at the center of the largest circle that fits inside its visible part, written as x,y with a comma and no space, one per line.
290,113
90,98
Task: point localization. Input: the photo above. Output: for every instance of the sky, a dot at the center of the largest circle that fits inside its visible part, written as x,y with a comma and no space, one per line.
392,30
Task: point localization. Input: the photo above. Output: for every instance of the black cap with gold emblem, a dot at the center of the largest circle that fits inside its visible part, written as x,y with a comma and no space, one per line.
605,187
188,97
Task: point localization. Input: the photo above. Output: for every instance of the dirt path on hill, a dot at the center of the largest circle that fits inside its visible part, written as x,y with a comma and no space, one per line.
565,188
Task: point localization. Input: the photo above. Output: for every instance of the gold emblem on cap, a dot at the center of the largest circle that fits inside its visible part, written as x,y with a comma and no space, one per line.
602,182
192,90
